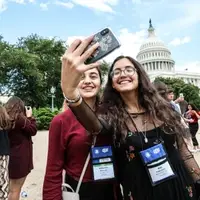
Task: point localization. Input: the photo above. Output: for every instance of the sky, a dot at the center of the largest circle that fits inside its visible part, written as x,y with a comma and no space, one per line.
176,22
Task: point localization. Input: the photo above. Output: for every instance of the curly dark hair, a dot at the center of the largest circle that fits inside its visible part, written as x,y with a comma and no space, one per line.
193,106
155,106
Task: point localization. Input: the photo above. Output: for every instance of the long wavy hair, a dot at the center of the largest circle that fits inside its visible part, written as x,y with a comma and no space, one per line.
5,122
162,89
155,106
193,107
15,108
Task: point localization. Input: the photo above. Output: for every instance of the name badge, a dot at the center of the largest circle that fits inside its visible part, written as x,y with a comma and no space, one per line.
157,164
102,163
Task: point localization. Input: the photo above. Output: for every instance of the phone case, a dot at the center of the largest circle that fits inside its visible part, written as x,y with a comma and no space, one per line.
107,43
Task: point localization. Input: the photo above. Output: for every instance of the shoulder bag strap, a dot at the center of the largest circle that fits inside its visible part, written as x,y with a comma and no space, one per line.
85,166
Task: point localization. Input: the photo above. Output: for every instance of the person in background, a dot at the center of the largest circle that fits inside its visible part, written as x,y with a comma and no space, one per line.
69,145
162,89
5,124
170,97
192,115
181,103
21,155
137,117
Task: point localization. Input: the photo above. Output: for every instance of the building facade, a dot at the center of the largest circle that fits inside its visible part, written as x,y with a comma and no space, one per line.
156,59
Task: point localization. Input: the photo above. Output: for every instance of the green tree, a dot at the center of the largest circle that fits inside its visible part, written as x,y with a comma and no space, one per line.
31,67
4,70
191,93
174,83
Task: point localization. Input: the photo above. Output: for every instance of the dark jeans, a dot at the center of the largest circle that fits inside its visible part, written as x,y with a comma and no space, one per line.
96,191
193,130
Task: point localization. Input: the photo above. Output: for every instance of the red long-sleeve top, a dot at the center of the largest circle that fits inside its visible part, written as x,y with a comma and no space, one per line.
69,145
21,150
194,117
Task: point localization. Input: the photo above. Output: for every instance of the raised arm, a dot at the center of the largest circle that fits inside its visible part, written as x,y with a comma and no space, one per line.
28,125
73,66
87,117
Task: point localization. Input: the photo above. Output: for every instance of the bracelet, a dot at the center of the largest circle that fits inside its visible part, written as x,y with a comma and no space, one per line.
72,100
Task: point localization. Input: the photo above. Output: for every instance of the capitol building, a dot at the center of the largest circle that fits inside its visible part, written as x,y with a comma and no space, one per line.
156,59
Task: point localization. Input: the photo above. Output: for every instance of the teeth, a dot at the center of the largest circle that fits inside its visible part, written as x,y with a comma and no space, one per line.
88,88
123,82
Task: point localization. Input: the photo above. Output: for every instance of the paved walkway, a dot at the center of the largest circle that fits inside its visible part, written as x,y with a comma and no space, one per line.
33,184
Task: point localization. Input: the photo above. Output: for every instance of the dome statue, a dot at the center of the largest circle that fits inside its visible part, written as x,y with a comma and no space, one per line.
154,55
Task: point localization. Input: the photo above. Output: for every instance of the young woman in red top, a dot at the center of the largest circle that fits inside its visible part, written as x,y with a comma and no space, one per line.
69,145
193,116
21,158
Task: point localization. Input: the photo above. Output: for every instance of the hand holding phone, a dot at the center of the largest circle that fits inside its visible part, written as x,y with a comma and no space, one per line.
82,56
181,95
29,111
107,44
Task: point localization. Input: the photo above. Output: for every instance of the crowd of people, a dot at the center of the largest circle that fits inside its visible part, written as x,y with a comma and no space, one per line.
17,126
140,141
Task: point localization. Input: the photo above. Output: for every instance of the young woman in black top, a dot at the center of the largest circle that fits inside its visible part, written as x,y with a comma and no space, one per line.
157,164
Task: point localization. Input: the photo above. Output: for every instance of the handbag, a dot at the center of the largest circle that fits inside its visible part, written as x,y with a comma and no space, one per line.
67,191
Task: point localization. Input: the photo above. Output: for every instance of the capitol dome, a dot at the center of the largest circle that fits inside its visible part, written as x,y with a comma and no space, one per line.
154,55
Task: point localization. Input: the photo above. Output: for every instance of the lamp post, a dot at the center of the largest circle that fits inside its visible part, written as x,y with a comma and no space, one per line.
53,89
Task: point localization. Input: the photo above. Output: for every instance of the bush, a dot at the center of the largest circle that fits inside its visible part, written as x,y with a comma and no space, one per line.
43,117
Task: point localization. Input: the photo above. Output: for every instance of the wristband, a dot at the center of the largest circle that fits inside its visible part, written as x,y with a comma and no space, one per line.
70,101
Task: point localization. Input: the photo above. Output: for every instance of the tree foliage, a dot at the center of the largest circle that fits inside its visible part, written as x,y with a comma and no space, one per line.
191,92
31,67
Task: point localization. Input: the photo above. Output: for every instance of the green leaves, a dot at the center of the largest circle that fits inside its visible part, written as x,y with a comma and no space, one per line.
43,117
30,68
191,93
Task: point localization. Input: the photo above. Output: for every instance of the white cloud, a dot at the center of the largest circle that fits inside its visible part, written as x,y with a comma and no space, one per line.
180,41
3,5
31,1
191,13
99,5
193,66
19,1
65,4
44,6
188,16
130,44
137,1
72,38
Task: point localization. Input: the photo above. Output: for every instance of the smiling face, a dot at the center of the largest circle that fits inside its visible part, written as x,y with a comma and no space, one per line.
124,76
189,107
90,84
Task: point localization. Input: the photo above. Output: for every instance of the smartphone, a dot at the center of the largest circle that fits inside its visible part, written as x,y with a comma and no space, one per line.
28,107
107,44
181,95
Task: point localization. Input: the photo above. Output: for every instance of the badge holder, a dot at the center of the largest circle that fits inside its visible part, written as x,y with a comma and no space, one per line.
102,163
157,164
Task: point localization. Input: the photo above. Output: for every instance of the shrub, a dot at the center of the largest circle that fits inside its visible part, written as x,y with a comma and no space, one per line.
43,117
